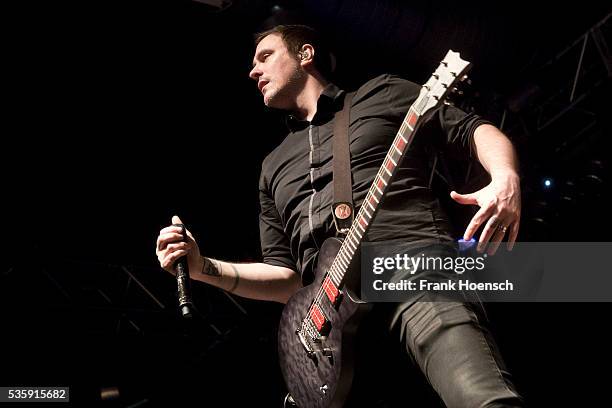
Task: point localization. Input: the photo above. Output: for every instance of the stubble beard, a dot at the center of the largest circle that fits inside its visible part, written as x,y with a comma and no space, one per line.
284,97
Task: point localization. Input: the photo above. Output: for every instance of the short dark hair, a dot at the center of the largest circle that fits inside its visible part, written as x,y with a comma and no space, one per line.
295,36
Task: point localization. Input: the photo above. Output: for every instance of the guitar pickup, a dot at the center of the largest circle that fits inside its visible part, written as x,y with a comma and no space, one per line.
320,321
331,291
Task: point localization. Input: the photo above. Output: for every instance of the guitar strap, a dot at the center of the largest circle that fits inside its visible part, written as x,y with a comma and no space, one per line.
342,208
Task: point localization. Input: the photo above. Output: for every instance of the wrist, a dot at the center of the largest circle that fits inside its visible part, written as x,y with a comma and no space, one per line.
209,267
505,175
195,268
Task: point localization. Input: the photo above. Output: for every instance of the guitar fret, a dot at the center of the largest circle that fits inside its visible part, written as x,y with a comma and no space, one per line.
411,119
392,161
390,165
344,258
408,125
397,150
337,279
350,244
397,157
334,270
388,172
358,234
349,251
401,142
371,206
342,262
374,197
362,222
413,116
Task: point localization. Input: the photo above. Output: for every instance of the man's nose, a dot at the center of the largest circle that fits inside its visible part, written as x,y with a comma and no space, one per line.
255,73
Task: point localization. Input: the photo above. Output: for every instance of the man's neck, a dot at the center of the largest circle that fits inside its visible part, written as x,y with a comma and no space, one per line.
306,102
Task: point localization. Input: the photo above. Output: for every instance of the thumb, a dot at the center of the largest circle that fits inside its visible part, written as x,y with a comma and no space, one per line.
464,198
176,220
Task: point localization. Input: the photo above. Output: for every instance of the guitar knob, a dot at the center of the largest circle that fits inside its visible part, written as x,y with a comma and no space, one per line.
323,389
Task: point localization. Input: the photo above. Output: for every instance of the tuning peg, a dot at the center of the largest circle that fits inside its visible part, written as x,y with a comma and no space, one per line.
449,103
456,90
466,79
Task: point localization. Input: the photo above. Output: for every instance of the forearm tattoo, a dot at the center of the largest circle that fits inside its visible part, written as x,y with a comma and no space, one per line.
235,284
210,267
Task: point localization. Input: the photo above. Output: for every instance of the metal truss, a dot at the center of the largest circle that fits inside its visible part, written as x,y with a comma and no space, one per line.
558,97
126,300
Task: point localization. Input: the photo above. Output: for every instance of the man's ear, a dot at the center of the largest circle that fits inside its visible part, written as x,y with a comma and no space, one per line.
306,54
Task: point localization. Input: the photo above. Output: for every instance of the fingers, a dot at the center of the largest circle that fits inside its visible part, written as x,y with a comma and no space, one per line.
164,239
496,239
464,198
477,220
171,228
514,229
487,232
167,261
171,234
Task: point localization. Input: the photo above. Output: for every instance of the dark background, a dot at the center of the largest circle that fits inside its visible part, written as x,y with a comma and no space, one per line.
118,115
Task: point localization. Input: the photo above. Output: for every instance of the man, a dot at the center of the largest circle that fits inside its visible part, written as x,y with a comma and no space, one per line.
291,66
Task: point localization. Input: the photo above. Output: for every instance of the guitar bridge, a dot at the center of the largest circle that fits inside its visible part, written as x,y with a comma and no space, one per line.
305,343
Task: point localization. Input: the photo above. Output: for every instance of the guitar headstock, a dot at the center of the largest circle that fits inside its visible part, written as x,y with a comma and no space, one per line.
446,79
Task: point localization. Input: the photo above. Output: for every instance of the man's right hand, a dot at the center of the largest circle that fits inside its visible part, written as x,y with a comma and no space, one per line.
170,247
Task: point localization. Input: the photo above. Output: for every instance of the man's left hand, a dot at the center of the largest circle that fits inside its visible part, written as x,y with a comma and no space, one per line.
500,211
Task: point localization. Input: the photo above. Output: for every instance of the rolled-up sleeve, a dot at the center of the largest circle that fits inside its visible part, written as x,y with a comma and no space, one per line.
275,245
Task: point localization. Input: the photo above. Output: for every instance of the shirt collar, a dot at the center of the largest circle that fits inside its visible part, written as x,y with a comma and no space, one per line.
330,101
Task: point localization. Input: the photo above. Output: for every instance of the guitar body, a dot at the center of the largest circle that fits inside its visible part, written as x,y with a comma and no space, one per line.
324,378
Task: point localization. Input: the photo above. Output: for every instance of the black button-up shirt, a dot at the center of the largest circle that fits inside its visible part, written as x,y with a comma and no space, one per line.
296,189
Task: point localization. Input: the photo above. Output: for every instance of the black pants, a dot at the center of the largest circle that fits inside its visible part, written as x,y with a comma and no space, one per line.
446,342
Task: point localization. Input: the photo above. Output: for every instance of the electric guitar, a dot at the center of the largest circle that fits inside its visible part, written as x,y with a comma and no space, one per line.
320,320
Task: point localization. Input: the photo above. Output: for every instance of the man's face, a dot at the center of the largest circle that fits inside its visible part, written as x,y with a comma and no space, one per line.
278,74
